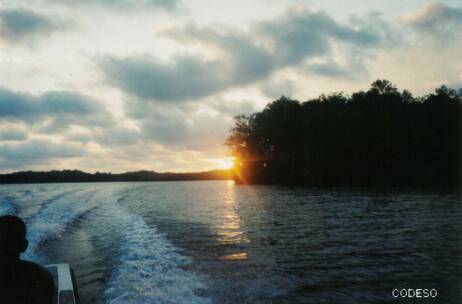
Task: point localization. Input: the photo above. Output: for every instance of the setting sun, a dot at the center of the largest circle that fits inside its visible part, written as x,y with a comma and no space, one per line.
226,163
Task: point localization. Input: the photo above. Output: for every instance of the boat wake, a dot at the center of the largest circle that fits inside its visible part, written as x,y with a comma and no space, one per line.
149,269
53,219
144,265
7,207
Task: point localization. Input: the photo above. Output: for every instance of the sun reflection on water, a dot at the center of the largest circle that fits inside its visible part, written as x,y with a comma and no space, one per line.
235,256
230,231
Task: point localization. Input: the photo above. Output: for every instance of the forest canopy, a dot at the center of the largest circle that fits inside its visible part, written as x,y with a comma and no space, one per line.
377,137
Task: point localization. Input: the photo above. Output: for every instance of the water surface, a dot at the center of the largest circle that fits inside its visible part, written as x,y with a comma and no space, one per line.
217,242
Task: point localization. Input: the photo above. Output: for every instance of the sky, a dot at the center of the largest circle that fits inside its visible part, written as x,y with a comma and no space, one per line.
125,85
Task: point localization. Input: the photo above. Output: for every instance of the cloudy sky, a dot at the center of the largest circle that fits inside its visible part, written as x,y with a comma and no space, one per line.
118,85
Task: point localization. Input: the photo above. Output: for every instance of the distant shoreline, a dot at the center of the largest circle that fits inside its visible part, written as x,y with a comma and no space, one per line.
77,176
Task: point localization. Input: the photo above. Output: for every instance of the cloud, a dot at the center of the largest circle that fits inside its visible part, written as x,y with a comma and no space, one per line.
436,18
352,67
59,109
239,58
188,77
184,130
230,107
329,69
17,155
158,89
275,88
21,25
12,134
168,5
244,58
39,149
116,136
302,33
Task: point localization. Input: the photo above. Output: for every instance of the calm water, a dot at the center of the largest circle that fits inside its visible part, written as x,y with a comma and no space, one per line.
216,242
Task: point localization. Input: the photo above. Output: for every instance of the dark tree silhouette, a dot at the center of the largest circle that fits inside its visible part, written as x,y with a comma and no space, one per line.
73,176
378,137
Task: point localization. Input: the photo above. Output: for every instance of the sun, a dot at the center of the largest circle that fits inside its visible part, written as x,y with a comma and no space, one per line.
226,163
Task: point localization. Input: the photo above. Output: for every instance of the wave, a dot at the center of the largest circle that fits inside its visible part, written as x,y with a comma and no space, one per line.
148,268
7,207
53,218
144,266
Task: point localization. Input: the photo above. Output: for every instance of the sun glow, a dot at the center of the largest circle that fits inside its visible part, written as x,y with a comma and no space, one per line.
226,163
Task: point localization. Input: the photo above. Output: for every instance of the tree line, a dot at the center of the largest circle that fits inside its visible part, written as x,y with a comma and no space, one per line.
378,137
73,176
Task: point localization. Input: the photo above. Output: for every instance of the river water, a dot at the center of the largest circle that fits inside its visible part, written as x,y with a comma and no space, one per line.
217,242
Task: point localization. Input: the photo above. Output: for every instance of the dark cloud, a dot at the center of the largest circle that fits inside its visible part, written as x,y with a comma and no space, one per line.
21,25
17,155
353,68
301,34
39,149
12,134
60,109
187,77
437,18
190,77
245,57
328,69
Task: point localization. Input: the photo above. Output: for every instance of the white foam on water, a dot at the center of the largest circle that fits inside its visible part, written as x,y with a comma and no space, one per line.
148,268
52,220
7,207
